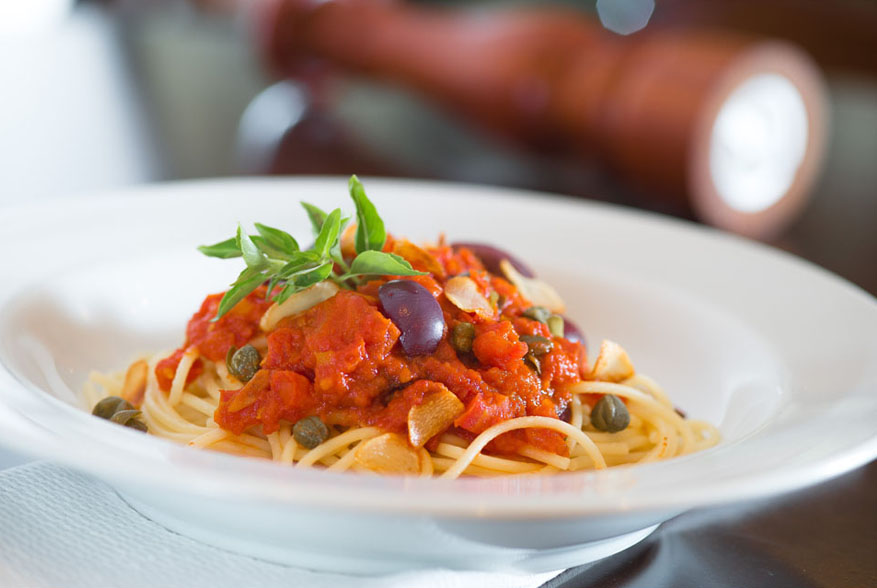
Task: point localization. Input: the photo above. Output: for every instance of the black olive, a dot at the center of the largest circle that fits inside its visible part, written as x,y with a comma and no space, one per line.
462,336
310,432
243,363
416,312
109,406
610,414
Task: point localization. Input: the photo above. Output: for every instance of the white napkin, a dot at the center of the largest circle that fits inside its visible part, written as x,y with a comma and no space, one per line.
62,529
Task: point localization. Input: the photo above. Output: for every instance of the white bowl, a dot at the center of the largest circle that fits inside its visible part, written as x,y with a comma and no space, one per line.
781,355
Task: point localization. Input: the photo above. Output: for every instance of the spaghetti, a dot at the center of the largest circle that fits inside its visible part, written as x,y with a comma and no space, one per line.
443,360
655,432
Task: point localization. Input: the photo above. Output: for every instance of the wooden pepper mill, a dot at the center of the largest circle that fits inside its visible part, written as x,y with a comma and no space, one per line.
734,126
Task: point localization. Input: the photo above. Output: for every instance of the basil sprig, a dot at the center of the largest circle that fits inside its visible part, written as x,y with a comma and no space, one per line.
273,255
370,233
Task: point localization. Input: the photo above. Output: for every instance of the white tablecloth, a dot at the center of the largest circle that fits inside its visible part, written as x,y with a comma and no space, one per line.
62,529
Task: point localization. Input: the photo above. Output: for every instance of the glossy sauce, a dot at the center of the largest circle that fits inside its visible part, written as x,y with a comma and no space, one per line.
341,360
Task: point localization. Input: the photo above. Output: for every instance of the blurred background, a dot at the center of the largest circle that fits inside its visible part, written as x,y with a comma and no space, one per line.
758,117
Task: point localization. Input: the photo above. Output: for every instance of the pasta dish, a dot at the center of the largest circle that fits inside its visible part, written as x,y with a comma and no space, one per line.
367,352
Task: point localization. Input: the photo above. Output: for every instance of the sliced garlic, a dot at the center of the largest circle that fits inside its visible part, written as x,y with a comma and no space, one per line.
297,303
434,415
536,291
464,294
418,258
389,453
134,386
612,364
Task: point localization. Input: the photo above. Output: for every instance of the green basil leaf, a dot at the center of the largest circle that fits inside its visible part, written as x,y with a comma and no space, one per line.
335,252
301,260
311,277
370,232
378,263
317,216
267,249
328,234
223,250
248,281
254,258
304,279
272,252
277,239
272,283
293,269
297,263
287,291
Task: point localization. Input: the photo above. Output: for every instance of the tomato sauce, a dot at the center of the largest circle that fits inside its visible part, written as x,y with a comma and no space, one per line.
214,338
342,361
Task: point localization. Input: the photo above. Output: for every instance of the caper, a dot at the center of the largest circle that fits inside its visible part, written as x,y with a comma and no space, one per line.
555,325
610,414
137,425
462,336
128,418
538,344
533,361
310,432
243,363
123,416
109,406
119,411
537,313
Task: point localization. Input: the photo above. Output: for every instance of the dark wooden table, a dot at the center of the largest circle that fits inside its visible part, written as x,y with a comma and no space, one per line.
824,536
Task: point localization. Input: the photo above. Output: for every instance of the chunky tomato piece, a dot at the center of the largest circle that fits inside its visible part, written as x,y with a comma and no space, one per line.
498,345
488,409
270,396
341,344
562,365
